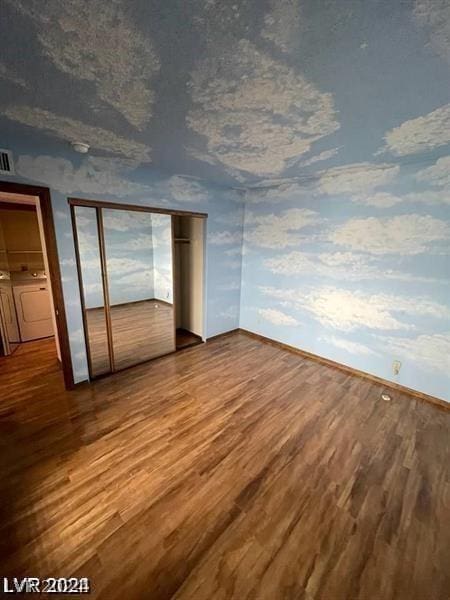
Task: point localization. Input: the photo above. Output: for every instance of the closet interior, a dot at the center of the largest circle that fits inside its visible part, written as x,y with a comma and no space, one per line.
141,277
189,271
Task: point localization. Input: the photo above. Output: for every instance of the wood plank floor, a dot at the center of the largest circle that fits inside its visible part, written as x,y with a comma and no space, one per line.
185,338
140,330
233,469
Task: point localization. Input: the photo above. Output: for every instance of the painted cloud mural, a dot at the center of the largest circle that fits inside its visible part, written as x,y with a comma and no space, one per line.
364,284
420,134
255,113
315,137
78,37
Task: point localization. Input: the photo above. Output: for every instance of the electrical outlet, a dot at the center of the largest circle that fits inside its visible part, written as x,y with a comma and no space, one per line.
396,366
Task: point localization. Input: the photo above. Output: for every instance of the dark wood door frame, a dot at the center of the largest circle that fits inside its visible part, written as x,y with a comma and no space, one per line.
134,207
53,263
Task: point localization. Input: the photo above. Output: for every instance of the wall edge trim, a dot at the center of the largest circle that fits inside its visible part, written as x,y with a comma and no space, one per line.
438,402
224,334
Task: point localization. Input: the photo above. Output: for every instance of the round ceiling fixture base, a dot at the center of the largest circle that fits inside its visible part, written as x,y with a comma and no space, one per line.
80,147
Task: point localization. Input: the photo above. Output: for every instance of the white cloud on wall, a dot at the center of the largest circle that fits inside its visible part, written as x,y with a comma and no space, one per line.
349,346
421,134
97,175
438,174
60,214
229,314
356,181
348,266
237,251
71,130
357,178
378,199
235,219
346,310
232,264
434,16
233,286
277,317
93,176
10,75
432,352
254,112
187,189
97,42
281,24
278,231
277,190
225,238
405,235
325,155
437,197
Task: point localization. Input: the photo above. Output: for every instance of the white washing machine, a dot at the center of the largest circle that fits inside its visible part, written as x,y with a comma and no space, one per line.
33,311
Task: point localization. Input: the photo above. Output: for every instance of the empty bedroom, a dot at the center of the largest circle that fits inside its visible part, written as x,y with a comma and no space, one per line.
225,299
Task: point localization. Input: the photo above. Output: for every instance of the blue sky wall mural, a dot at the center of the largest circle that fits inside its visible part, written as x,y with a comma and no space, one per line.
329,122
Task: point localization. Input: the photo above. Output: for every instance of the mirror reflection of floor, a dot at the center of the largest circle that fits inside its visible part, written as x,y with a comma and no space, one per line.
141,331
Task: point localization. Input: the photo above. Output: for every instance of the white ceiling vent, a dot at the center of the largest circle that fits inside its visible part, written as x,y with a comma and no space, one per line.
6,162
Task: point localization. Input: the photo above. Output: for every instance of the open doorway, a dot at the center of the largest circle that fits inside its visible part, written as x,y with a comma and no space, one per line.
26,300
32,317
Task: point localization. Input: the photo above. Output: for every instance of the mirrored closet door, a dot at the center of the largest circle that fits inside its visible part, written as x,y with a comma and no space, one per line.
90,275
138,250
125,271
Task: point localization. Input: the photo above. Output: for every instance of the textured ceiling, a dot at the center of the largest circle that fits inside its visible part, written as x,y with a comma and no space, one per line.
241,93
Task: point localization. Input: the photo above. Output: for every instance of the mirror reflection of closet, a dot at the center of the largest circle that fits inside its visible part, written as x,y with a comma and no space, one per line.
138,249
